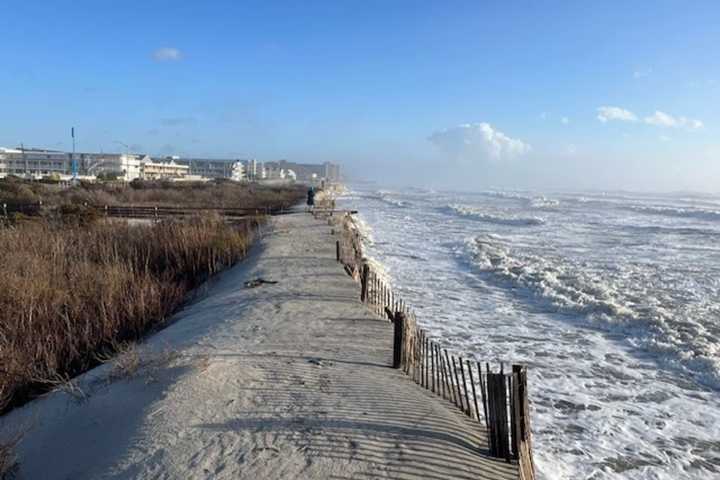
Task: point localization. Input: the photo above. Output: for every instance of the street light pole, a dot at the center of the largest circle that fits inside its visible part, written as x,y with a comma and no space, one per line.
127,147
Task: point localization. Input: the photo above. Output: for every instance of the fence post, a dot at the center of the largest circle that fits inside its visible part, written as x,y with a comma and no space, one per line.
457,384
432,365
474,392
364,283
515,428
337,250
398,333
468,411
483,395
497,405
521,423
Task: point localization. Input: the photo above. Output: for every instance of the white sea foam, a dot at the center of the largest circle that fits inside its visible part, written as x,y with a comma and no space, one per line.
615,313
527,198
507,195
482,216
543,202
616,300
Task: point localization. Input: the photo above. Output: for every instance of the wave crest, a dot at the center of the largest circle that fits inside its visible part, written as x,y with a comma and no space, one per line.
675,212
479,215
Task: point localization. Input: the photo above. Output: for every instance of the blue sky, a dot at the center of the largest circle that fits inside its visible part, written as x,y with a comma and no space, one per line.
515,94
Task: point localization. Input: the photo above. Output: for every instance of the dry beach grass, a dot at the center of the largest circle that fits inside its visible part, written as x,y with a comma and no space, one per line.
73,286
216,193
69,293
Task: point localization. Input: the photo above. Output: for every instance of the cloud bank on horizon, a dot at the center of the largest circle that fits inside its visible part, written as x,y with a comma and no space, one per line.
478,142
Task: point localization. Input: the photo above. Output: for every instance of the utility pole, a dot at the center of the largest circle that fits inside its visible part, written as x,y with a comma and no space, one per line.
24,157
73,162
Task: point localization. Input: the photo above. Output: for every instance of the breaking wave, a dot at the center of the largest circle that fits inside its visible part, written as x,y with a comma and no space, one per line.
662,230
543,202
533,201
694,213
479,215
388,197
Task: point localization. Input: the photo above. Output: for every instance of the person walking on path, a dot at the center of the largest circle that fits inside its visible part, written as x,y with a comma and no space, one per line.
311,199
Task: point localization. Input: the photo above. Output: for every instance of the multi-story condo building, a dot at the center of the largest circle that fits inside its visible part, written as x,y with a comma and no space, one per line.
213,168
164,170
35,163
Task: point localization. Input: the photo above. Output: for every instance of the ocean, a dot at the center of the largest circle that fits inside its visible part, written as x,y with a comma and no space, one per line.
610,298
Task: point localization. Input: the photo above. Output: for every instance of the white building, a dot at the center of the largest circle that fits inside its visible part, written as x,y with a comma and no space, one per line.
251,170
35,163
271,173
238,172
164,171
213,167
124,166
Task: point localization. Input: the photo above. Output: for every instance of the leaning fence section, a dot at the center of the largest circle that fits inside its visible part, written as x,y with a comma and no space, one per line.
496,398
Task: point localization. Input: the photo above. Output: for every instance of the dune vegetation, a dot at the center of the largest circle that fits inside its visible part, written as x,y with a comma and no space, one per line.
75,286
219,193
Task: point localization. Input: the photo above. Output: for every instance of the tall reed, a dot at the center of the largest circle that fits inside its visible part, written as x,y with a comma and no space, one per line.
69,292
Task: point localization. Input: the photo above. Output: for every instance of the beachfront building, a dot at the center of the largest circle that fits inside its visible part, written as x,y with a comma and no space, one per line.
122,166
214,168
238,172
273,173
3,169
255,170
164,170
36,163
251,169
332,171
308,172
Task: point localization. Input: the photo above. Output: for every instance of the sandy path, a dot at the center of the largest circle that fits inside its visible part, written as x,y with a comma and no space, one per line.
289,380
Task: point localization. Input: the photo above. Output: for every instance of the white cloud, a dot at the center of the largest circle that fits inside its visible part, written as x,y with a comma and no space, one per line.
606,114
167,54
565,120
663,138
662,119
642,72
478,142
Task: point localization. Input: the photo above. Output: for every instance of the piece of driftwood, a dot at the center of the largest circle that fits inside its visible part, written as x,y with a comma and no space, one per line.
257,282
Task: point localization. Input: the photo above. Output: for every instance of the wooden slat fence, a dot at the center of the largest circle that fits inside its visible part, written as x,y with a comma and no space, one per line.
496,398
147,211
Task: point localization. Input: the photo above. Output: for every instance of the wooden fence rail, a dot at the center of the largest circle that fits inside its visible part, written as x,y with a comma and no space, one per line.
497,399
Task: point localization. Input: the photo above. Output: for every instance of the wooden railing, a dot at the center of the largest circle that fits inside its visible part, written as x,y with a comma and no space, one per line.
496,398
